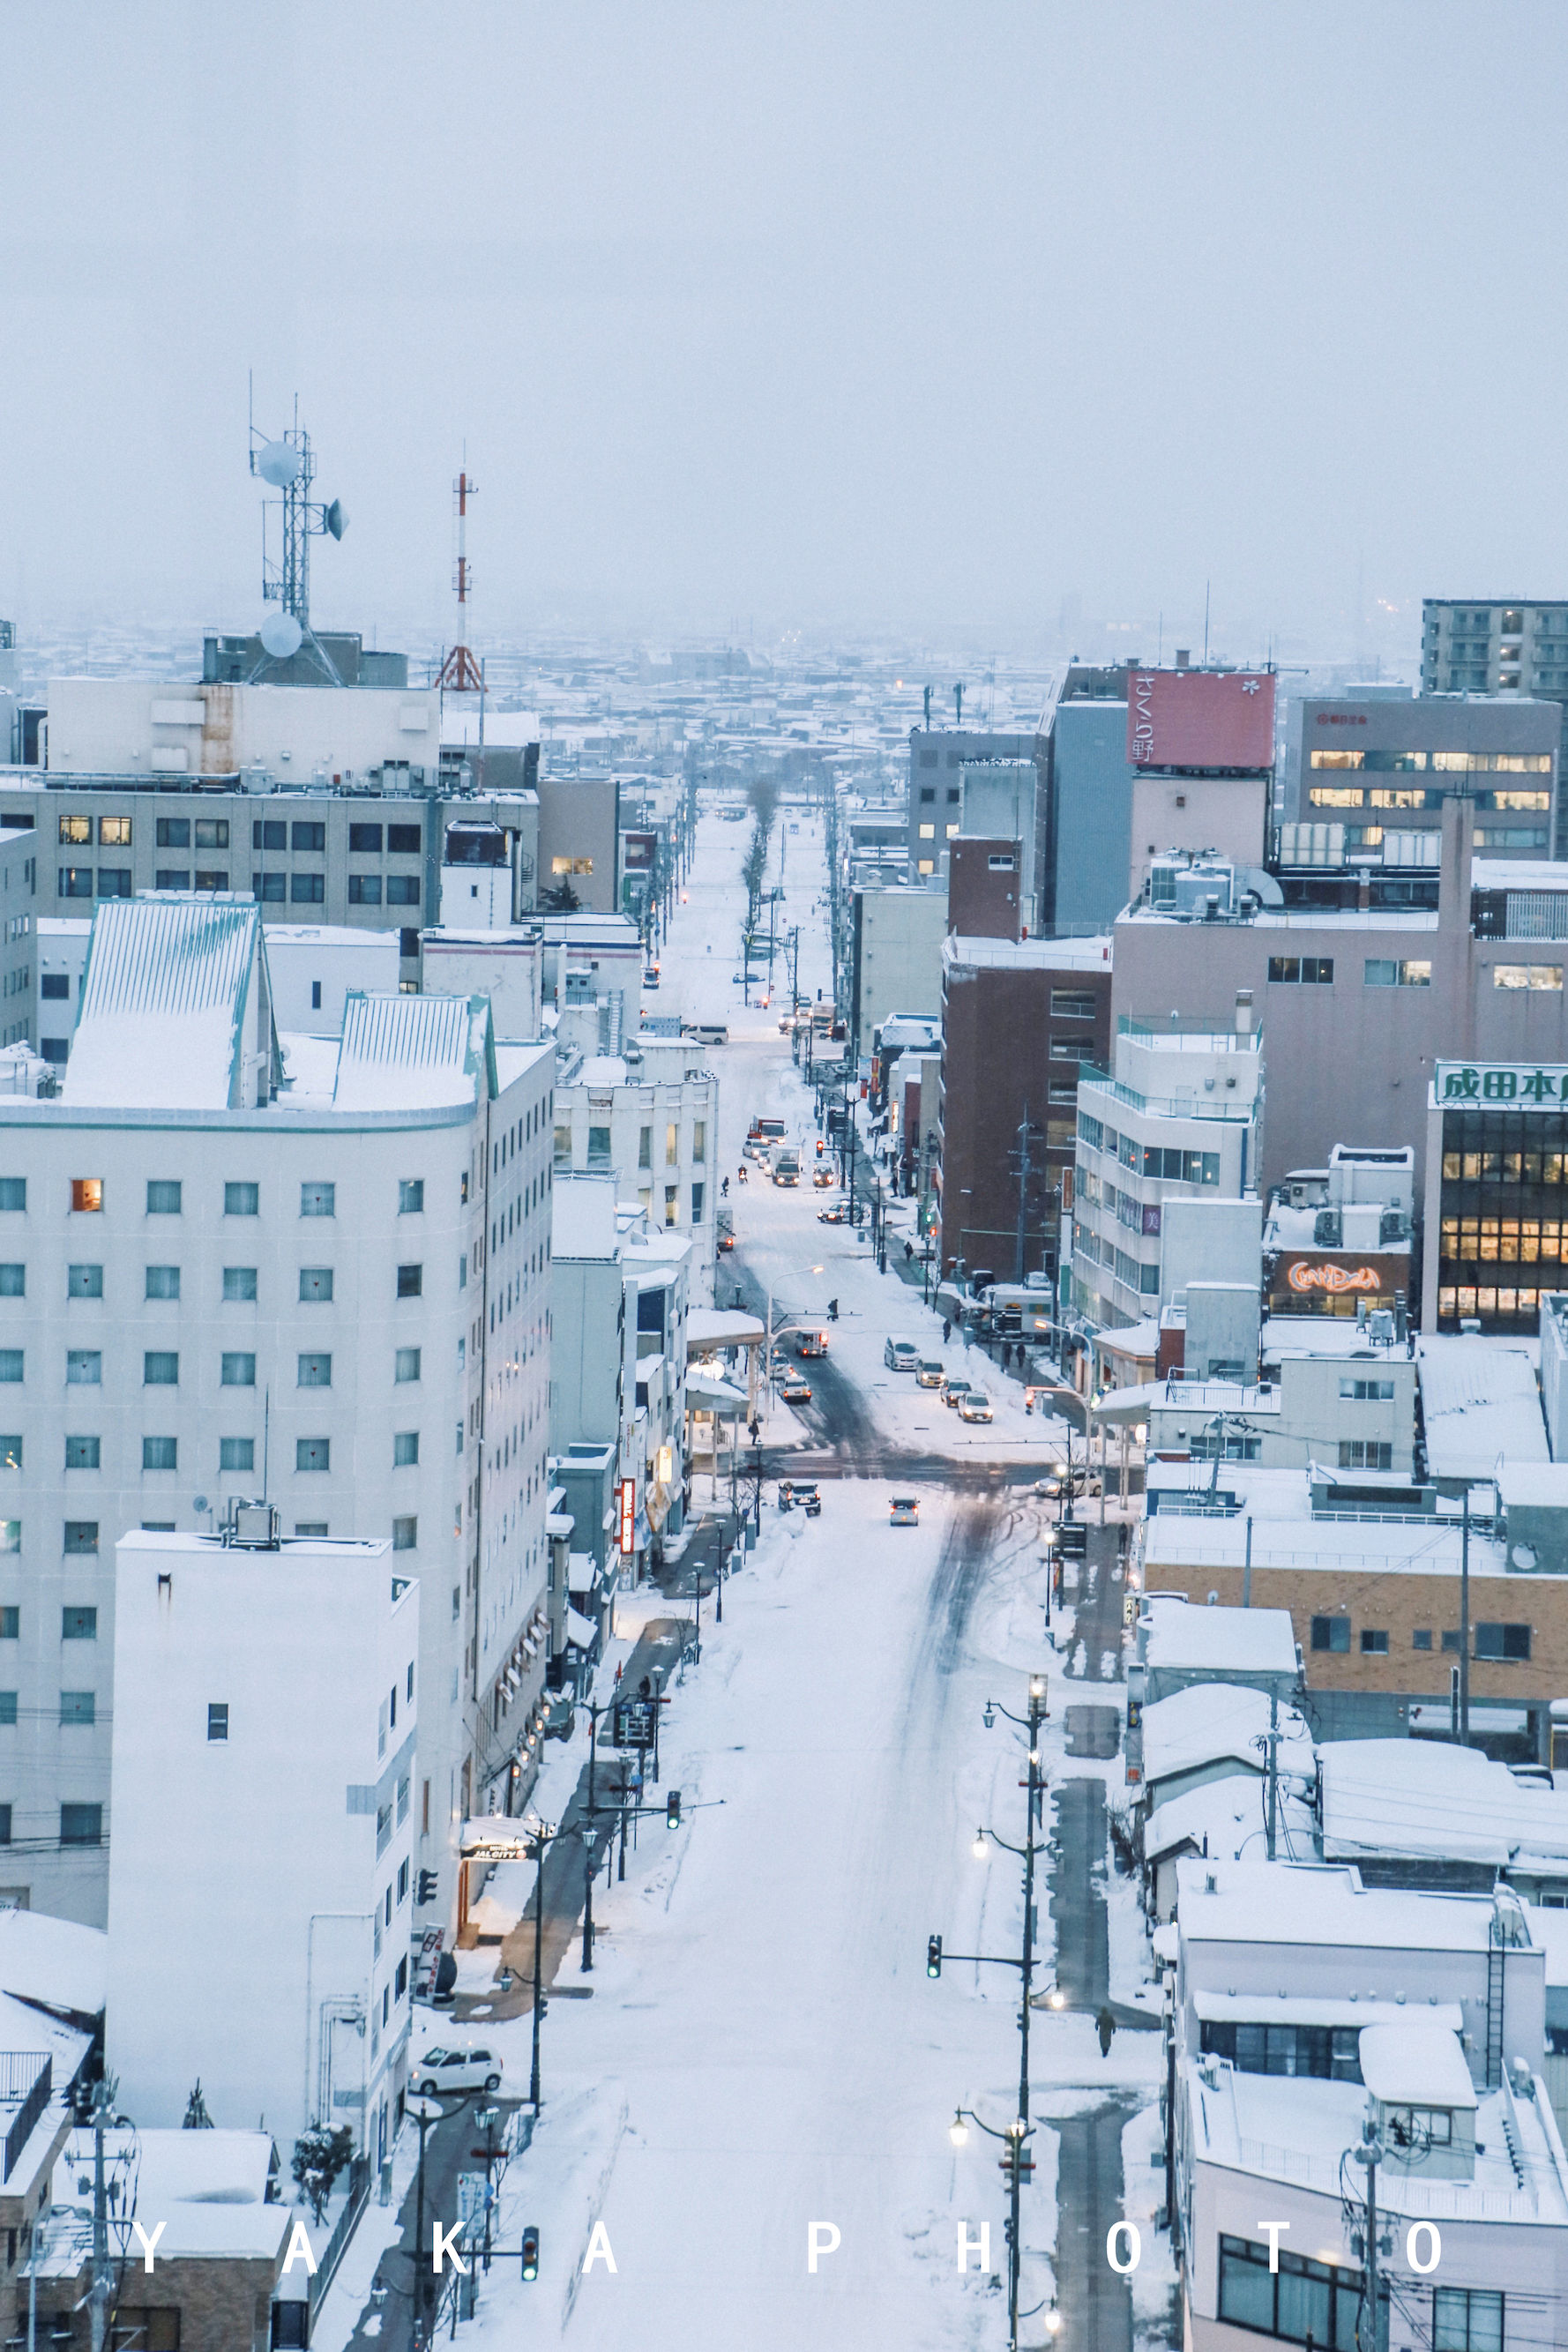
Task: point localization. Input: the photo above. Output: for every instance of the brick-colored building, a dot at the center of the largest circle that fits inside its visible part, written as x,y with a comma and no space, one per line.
1019,1018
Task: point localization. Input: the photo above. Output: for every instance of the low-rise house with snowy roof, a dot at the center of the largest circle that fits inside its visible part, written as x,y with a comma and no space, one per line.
1223,1821
1427,1812
1209,1732
1179,1646
1480,1407
239,1262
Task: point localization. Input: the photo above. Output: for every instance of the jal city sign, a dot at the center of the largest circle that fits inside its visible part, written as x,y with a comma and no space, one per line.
1500,1086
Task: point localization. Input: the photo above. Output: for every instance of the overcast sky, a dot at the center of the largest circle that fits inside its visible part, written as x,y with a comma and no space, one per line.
881,317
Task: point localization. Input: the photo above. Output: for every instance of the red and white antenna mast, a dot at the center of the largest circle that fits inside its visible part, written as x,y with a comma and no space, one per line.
459,672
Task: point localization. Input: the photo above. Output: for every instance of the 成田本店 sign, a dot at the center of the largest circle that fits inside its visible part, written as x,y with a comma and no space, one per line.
1500,1086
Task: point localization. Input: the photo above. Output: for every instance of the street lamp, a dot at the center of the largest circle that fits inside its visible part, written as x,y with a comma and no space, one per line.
981,1848
1017,2164
426,2113
958,2130
487,2119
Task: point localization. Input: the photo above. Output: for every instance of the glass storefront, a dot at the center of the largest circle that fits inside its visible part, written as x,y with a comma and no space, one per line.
1503,1236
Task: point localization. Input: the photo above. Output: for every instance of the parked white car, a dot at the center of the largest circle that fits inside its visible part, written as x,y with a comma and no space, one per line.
437,2072
900,1355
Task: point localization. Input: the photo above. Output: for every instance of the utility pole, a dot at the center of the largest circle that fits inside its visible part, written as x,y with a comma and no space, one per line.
1465,1620
1023,1172
101,2292
1370,2154
1273,1757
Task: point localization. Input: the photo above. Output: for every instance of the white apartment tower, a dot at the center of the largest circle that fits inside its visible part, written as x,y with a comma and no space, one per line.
312,1269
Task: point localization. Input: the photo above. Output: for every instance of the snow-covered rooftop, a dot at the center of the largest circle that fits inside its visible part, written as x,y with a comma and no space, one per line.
1222,1818
583,1217
1431,1797
1415,2063
164,998
1175,1545
1257,1902
1173,1634
1027,955
403,1053
1208,1722
54,1962
1480,1401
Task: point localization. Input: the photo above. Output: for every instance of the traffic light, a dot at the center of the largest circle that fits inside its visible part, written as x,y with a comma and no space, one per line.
934,1956
672,1810
531,2252
424,1891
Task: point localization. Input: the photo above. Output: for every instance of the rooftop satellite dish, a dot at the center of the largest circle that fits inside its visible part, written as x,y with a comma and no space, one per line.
337,522
279,463
281,633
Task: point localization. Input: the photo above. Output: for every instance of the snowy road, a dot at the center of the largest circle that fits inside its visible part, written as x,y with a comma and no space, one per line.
765,2065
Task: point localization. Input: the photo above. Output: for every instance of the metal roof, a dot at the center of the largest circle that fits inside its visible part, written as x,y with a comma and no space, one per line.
397,1049
163,1001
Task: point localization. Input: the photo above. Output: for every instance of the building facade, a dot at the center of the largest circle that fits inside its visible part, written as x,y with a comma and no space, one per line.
1381,766
1511,648
1497,1194
649,1117
316,1268
1021,1018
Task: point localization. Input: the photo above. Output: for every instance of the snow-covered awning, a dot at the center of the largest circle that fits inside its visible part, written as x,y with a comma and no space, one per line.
582,1572
711,1394
579,1629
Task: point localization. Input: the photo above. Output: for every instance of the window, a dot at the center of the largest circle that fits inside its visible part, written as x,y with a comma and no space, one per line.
1384,971
999,865
1374,1642
1421,1639
696,1193
312,1454
1326,2053
405,1535
173,833
160,1453
81,1824
1310,971
364,841
160,1369
236,1453
8,1715
78,1624
239,1282
403,1868
1331,1633
1527,975
699,1141
926,866
10,1459
927,832
237,1372
410,1281
407,1364
84,1367
672,1204
672,1144
10,1624
268,833
315,1284
162,1282
13,1282
172,877
1367,1391
1466,2319
13,1193
411,1196
408,944
270,888
404,840
563,1146
310,1527
74,882
1302,2302
1072,1004
310,837
405,1449
598,1147
307,889
317,1200
84,1282
212,833
163,1199
364,889
75,828
403,890
241,1200
212,877
81,1536
1364,1454
114,882
54,985
1503,1641
87,1195
114,832
315,1372
217,1719
83,1453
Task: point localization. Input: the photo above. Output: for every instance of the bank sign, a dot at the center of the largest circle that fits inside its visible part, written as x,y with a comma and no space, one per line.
1501,1085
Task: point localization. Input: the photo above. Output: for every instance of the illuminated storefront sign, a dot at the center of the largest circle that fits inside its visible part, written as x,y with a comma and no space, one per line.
1500,1086
627,1499
1306,1276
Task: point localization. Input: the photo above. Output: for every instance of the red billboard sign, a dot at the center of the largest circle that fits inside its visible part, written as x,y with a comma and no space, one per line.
638,852
1200,719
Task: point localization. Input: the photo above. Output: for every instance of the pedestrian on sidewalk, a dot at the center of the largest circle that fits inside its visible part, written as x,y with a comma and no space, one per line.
946,1329
1105,2026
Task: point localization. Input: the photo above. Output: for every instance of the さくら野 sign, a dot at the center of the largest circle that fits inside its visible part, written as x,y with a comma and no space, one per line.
627,1499
1500,1086
1306,1274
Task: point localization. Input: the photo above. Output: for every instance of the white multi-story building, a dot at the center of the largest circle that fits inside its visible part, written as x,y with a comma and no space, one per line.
311,1268
648,1117
1179,1119
266,1736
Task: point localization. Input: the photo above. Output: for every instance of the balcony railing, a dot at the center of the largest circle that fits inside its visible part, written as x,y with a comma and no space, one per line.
26,2079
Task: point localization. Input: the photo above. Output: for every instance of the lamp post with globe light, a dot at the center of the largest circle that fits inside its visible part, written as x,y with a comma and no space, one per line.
1016,2165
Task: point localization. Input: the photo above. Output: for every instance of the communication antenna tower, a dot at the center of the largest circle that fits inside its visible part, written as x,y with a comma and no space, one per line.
289,466
459,672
